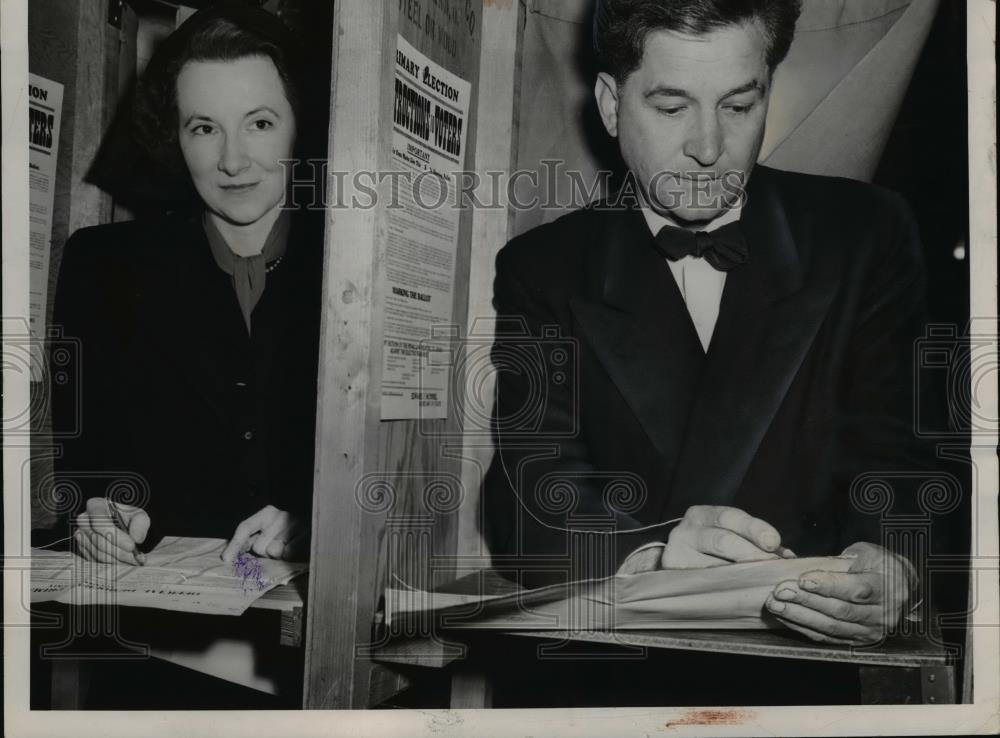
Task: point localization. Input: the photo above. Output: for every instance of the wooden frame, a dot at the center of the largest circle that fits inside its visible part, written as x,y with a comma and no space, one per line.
346,431
358,541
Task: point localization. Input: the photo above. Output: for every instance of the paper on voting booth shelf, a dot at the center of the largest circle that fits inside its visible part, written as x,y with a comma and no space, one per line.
725,597
185,574
403,601
730,596
734,578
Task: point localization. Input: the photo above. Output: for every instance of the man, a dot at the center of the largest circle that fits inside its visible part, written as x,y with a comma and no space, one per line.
741,340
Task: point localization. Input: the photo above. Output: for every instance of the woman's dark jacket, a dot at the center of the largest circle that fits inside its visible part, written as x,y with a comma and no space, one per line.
173,405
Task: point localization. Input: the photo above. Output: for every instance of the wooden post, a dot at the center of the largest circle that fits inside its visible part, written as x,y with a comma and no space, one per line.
373,476
347,405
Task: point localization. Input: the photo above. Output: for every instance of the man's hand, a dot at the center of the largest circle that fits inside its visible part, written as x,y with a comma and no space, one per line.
270,532
97,538
853,607
712,535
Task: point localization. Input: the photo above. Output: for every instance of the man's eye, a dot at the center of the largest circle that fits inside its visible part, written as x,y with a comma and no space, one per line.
740,109
671,110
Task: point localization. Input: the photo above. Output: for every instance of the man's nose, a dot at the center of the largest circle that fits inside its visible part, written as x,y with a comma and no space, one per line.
704,142
233,158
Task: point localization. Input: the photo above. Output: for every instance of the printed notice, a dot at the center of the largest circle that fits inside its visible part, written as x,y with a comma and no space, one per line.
430,122
44,112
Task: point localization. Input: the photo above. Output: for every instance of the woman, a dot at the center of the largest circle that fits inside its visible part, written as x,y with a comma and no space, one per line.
199,329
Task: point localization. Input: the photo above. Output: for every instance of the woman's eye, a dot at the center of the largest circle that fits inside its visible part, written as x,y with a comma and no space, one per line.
261,125
202,129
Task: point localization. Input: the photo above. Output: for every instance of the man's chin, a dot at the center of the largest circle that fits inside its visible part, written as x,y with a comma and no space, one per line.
692,217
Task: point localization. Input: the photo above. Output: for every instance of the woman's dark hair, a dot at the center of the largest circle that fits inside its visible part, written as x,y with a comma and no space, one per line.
224,33
621,26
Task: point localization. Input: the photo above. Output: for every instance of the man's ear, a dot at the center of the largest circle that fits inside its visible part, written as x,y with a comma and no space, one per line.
606,94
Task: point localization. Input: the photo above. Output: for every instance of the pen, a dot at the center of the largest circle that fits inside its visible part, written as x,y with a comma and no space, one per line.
119,521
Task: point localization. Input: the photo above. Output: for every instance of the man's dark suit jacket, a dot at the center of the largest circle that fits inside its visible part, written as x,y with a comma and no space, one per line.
807,383
176,397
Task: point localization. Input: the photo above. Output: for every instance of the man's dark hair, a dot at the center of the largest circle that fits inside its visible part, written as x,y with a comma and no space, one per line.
621,26
224,33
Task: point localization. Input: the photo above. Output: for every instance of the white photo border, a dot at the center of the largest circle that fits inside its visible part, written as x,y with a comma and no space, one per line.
980,717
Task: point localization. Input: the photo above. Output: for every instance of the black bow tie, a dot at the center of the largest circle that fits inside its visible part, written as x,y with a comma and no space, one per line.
723,248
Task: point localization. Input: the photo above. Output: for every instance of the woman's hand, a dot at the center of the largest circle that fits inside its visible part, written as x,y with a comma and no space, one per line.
98,538
270,532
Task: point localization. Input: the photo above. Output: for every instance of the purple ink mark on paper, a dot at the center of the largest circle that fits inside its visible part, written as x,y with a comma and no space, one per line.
250,569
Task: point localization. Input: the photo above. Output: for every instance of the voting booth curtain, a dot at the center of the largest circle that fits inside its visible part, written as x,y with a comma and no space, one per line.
833,102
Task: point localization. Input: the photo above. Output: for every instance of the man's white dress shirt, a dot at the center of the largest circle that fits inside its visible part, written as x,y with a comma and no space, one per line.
699,282
701,287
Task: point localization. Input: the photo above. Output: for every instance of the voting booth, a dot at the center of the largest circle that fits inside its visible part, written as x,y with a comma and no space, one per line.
418,88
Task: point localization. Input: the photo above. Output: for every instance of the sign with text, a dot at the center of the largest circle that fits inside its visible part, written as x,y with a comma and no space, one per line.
429,127
44,113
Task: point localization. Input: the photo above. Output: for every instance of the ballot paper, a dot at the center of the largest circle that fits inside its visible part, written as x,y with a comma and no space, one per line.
185,574
731,596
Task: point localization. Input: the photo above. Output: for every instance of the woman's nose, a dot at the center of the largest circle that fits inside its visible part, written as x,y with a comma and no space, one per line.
233,158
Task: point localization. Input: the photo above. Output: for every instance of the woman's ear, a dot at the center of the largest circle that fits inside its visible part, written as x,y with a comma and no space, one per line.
606,94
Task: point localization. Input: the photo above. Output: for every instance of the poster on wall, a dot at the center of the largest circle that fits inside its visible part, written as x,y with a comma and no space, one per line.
430,123
44,113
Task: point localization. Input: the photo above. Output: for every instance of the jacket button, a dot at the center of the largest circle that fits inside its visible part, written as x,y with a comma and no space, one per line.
248,436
